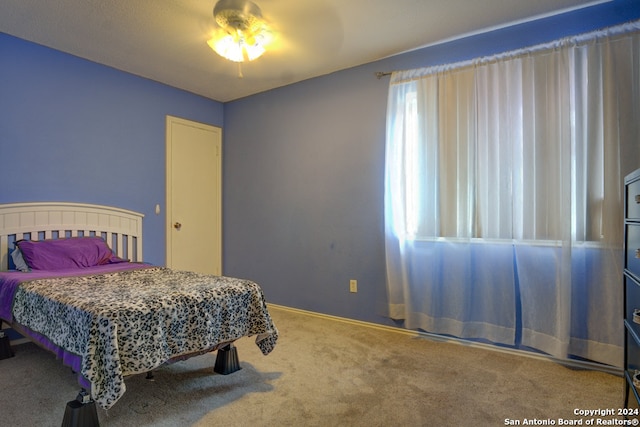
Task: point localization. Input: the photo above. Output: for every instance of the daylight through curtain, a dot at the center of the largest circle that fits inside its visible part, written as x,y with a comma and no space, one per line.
503,194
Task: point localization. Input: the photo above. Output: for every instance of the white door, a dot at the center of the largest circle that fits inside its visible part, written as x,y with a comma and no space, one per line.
194,199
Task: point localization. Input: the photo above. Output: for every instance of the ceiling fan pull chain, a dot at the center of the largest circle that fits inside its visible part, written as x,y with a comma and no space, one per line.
240,70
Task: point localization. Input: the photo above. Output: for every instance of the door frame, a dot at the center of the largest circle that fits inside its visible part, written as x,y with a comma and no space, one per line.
170,120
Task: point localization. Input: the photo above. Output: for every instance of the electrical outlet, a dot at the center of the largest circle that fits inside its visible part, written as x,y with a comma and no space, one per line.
353,285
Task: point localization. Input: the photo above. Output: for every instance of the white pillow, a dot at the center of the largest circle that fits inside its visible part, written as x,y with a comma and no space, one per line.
18,260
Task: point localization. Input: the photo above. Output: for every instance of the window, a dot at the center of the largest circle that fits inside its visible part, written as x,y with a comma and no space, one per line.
523,155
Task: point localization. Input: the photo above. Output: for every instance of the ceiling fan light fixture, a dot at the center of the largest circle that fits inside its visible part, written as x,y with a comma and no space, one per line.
246,31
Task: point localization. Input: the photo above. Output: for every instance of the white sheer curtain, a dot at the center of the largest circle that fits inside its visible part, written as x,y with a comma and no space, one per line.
503,194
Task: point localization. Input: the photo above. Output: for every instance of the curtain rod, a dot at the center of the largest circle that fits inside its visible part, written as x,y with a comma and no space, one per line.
616,30
381,74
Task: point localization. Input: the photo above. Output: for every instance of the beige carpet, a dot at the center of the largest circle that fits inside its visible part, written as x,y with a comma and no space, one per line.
323,372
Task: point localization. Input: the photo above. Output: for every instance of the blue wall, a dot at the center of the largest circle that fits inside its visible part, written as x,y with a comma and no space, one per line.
304,165
74,130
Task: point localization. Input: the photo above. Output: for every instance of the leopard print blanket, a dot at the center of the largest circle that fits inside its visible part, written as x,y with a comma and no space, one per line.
132,321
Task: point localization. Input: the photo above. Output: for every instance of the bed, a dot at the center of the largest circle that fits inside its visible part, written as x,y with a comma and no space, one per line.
77,286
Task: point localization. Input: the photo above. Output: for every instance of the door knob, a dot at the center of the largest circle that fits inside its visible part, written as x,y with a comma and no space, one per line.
177,225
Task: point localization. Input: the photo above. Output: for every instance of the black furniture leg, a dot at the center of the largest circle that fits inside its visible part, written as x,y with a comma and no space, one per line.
227,360
5,346
81,412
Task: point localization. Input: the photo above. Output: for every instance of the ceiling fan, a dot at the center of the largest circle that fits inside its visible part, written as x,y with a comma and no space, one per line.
243,34
292,28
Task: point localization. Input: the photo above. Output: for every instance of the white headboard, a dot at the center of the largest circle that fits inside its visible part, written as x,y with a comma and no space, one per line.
122,229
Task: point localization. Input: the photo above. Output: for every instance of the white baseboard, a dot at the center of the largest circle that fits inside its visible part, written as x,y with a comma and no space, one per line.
578,364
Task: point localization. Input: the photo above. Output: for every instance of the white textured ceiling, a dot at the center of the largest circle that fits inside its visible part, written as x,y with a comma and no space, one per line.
165,40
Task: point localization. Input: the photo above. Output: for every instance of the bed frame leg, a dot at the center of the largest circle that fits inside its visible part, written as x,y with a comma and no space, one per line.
227,360
5,346
81,412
